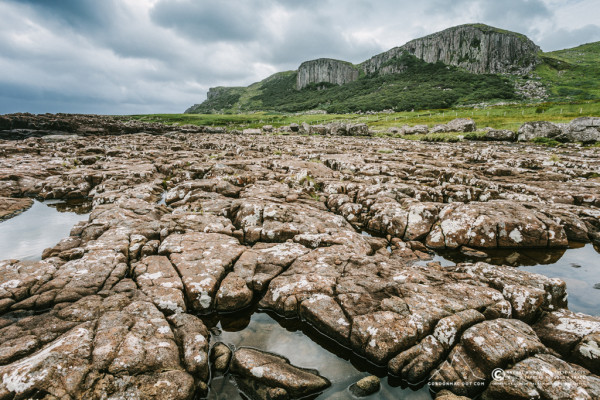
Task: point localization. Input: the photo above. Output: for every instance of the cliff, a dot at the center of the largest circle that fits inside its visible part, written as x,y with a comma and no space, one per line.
325,70
465,64
478,48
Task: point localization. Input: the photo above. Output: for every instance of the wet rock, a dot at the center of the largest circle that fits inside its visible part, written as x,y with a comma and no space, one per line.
415,363
202,260
527,295
63,249
494,224
469,252
483,348
172,385
543,377
574,336
276,372
157,278
192,336
366,386
233,294
259,391
13,207
43,370
135,340
220,356
448,395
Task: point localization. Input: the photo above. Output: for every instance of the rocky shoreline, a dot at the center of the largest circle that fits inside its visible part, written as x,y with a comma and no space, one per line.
116,309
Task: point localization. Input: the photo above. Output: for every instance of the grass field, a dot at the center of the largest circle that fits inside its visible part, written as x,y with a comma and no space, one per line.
498,117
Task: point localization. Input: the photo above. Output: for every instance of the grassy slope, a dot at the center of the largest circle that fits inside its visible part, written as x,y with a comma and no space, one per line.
499,117
572,74
421,85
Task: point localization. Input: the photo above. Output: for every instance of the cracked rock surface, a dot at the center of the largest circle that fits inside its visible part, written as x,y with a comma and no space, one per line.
115,310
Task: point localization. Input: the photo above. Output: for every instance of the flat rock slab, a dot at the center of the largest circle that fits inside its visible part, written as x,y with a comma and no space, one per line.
277,372
483,348
12,207
157,278
543,377
575,336
202,260
135,273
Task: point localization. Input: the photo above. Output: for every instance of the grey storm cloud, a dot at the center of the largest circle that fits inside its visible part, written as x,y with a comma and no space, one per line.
144,56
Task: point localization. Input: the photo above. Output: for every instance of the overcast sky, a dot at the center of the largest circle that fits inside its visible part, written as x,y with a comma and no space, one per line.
161,56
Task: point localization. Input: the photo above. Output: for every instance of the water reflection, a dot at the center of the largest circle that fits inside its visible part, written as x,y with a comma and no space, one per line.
25,236
578,266
304,347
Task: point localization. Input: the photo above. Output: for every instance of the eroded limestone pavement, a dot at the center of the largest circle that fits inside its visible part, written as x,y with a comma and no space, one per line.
113,311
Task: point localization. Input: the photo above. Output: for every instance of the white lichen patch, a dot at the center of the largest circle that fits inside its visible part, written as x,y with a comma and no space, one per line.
516,236
258,372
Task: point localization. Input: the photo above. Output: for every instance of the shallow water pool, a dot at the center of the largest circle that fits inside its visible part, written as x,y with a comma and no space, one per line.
578,266
304,347
25,236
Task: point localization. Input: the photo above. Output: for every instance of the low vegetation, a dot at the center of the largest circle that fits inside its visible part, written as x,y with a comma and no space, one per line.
497,117
572,74
421,85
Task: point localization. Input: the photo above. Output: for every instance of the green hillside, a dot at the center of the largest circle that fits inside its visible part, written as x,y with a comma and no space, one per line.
567,75
572,74
421,86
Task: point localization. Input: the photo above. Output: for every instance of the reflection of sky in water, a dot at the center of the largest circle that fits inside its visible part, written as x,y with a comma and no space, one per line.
578,267
265,333
25,236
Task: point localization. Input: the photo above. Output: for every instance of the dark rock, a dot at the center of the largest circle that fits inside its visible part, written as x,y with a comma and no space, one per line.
220,355
366,386
276,372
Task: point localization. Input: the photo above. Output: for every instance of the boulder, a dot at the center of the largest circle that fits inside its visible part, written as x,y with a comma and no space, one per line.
415,130
366,386
275,371
220,356
584,129
357,130
500,135
537,129
461,125
319,130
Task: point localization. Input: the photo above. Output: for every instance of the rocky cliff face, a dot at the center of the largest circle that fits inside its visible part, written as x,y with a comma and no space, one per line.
325,70
381,62
478,48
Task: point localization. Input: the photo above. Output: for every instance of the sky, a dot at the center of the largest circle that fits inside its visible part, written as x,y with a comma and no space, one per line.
162,56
